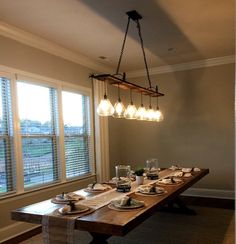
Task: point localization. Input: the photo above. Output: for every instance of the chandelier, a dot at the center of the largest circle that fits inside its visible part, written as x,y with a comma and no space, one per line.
105,108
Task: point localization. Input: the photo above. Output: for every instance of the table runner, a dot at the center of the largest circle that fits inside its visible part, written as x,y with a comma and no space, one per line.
59,229
105,198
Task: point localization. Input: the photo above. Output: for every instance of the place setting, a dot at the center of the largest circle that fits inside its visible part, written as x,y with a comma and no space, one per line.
97,188
169,180
73,208
65,198
183,171
150,190
126,203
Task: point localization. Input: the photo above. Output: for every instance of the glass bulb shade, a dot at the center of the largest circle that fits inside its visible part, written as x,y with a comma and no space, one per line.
130,112
158,115
105,108
119,110
141,113
150,114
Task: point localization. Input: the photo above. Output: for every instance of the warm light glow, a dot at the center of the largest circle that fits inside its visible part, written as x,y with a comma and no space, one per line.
105,107
150,114
130,111
158,116
141,113
119,110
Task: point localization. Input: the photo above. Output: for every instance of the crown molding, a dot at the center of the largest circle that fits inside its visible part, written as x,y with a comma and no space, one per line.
184,66
49,47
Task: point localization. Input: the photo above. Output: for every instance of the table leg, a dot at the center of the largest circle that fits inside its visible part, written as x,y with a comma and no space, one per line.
182,207
99,238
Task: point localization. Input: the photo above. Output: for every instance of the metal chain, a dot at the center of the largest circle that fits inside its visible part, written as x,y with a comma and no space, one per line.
122,49
144,55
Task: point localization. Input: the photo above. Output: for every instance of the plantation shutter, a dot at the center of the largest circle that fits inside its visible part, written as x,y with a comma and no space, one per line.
7,163
77,134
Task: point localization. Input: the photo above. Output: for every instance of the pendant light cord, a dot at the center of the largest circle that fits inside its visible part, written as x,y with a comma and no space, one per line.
144,55
131,98
122,49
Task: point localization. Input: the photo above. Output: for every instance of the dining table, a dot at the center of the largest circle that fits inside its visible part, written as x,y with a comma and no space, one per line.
105,221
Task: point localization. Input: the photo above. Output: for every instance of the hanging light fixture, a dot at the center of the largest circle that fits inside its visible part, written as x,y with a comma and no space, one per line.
119,108
105,107
119,80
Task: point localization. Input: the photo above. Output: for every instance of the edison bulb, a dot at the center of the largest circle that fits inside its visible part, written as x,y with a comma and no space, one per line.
130,111
141,113
105,107
158,115
119,109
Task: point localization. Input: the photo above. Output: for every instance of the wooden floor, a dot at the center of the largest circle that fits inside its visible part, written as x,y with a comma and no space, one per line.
209,226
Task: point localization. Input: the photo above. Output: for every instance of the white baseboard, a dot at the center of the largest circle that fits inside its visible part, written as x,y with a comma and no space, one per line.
212,193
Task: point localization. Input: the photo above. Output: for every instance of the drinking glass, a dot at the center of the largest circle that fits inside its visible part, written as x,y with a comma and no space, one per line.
123,178
152,169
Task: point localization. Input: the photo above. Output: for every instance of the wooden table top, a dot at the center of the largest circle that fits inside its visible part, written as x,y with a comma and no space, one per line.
106,220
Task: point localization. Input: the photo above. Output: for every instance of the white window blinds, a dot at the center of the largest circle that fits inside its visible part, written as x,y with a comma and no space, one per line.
7,162
38,114
77,134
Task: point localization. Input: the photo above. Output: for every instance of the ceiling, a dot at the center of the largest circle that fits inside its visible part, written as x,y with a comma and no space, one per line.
173,31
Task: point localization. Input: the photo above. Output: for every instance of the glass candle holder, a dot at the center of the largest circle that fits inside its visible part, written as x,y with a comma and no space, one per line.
152,169
123,173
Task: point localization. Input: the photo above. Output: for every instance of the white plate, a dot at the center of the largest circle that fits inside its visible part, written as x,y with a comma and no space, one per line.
79,209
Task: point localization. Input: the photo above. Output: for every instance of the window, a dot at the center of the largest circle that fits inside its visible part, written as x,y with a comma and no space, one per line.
7,166
46,135
38,114
77,134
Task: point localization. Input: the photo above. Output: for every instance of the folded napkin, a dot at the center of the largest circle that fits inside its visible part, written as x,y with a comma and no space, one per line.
187,170
170,180
196,169
127,202
178,174
66,209
187,175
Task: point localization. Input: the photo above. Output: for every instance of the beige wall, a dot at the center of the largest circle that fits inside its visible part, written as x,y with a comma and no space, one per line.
25,58
198,129
20,56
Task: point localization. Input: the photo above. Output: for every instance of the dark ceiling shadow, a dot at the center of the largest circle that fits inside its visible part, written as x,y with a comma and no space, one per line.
165,39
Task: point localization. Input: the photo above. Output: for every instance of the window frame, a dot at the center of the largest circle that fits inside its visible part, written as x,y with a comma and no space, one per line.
85,92
15,75
53,136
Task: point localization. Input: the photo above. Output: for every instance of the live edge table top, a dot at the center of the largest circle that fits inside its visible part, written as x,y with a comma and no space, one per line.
105,220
